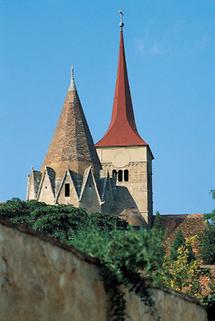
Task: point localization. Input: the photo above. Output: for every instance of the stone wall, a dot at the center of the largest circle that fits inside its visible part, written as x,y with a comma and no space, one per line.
43,280
137,160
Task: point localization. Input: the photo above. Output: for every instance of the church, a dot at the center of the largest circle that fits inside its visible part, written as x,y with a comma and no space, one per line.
113,176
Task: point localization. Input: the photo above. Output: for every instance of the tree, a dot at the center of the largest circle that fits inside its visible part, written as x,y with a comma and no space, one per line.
183,275
18,210
207,242
157,221
179,241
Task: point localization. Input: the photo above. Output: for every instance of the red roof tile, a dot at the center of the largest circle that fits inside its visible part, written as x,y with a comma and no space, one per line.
122,130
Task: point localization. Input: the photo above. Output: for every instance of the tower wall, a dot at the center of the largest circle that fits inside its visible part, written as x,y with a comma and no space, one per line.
134,165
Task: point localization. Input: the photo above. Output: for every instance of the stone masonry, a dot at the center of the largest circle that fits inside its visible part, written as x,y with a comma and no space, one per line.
43,280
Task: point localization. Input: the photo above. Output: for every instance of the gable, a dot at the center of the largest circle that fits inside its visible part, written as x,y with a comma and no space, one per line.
46,189
90,198
67,192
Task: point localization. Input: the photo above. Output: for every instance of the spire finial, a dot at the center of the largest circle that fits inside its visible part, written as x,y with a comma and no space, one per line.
72,79
121,24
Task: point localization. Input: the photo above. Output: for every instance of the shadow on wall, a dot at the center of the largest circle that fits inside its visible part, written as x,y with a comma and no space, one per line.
126,207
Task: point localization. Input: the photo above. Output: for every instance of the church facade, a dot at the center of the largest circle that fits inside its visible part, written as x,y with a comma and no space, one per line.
113,176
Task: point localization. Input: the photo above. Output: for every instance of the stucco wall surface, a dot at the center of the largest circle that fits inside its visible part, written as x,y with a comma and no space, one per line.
40,280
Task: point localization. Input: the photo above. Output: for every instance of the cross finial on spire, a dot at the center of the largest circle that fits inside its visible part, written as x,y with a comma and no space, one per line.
72,79
121,13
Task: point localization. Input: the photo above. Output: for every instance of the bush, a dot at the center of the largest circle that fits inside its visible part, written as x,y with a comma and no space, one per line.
18,210
123,252
61,221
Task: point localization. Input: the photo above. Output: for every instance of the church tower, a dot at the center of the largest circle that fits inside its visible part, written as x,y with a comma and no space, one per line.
112,177
70,173
124,153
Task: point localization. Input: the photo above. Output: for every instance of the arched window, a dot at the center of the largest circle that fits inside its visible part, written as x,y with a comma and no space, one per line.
114,173
126,175
120,175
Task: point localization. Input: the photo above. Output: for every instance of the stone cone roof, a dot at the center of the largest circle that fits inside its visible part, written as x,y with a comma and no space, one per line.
72,146
122,130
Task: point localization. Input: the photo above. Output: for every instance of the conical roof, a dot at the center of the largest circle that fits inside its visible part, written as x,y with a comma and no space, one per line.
122,130
72,145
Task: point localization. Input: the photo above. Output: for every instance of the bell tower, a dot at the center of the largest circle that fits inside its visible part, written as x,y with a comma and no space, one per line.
123,152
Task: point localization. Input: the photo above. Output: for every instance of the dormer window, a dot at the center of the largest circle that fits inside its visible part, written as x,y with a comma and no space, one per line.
67,190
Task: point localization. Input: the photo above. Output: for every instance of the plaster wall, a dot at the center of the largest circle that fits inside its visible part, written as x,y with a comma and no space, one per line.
41,280
46,193
31,195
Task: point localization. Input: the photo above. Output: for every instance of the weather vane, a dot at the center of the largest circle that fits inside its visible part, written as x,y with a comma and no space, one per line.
121,13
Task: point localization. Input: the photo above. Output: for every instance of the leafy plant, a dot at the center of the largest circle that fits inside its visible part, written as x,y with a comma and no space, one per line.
179,242
207,241
129,256
181,274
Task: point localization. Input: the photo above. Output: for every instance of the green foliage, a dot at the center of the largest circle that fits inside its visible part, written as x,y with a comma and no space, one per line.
129,256
61,221
18,210
157,221
122,251
207,244
180,241
212,192
207,241
182,274
209,303
106,223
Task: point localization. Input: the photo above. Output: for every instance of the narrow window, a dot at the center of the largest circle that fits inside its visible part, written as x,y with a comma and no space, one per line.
126,175
67,190
120,175
114,173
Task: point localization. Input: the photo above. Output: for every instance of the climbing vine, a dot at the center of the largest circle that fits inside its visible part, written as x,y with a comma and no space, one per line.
129,257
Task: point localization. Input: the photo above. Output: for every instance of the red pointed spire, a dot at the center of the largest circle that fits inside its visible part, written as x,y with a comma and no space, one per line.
122,130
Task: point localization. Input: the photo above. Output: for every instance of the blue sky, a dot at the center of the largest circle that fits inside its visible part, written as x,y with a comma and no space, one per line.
170,49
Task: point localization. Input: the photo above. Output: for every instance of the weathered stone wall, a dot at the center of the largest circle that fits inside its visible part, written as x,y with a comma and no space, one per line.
138,161
41,280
